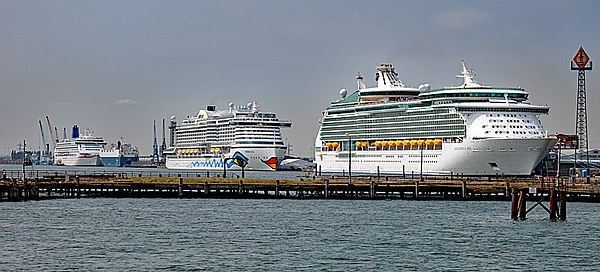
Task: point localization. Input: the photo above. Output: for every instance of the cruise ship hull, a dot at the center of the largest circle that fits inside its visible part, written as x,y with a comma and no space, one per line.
486,157
93,160
260,159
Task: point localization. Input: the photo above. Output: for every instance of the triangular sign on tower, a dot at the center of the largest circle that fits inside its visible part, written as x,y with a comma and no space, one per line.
581,58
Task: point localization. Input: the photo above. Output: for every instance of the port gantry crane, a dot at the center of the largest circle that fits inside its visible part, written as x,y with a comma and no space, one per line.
54,139
45,154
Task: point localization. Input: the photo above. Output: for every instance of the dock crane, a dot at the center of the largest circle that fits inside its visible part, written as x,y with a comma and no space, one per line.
54,139
44,154
155,157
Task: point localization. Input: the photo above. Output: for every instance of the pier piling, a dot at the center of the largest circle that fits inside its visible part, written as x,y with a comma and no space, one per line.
552,205
78,187
180,187
562,215
514,211
416,189
372,192
522,204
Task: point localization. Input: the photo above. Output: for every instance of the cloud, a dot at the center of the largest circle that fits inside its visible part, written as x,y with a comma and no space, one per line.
126,101
61,104
464,18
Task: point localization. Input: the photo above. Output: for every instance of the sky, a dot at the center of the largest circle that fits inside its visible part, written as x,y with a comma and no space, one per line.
116,66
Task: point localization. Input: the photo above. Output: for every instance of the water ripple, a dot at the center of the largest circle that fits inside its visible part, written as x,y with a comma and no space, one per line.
299,235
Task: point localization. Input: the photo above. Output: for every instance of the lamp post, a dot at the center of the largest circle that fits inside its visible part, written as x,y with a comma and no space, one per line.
349,158
225,166
24,149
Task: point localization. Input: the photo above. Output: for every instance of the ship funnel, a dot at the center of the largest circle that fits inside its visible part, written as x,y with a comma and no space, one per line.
387,77
75,132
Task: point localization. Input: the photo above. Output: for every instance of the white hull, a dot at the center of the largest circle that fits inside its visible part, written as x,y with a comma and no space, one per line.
488,157
77,160
258,159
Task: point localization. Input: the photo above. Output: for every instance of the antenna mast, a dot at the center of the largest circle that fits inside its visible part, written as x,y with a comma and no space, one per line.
581,60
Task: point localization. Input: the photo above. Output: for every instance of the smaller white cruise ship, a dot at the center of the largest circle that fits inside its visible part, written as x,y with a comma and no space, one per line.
80,150
235,138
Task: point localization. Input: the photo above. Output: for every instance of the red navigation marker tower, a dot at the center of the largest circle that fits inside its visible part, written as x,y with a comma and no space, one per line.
580,63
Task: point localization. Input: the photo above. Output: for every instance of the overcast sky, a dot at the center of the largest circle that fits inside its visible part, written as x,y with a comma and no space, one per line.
115,66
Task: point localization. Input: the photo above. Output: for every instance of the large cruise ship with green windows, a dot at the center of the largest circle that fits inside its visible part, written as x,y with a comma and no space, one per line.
471,129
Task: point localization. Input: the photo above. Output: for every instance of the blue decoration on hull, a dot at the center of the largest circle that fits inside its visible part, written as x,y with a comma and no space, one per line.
211,163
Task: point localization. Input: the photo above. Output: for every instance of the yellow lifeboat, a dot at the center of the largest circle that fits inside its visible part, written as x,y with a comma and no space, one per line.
377,143
406,142
358,144
413,142
429,142
398,143
335,144
437,141
364,144
329,145
420,142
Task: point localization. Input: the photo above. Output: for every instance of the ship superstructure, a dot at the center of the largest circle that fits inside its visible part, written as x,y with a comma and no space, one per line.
235,137
471,129
119,154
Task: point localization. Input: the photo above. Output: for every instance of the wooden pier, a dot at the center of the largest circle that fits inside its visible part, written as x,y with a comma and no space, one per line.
50,187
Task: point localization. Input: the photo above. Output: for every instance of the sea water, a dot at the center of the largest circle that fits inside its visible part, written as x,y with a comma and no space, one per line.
105,234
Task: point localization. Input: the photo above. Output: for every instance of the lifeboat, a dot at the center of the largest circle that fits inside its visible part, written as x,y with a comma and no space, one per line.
406,142
420,142
413,142
329,145
429,142
364,144
437,141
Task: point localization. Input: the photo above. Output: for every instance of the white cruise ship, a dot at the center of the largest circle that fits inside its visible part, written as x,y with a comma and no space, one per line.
471,129
240,136
80,150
